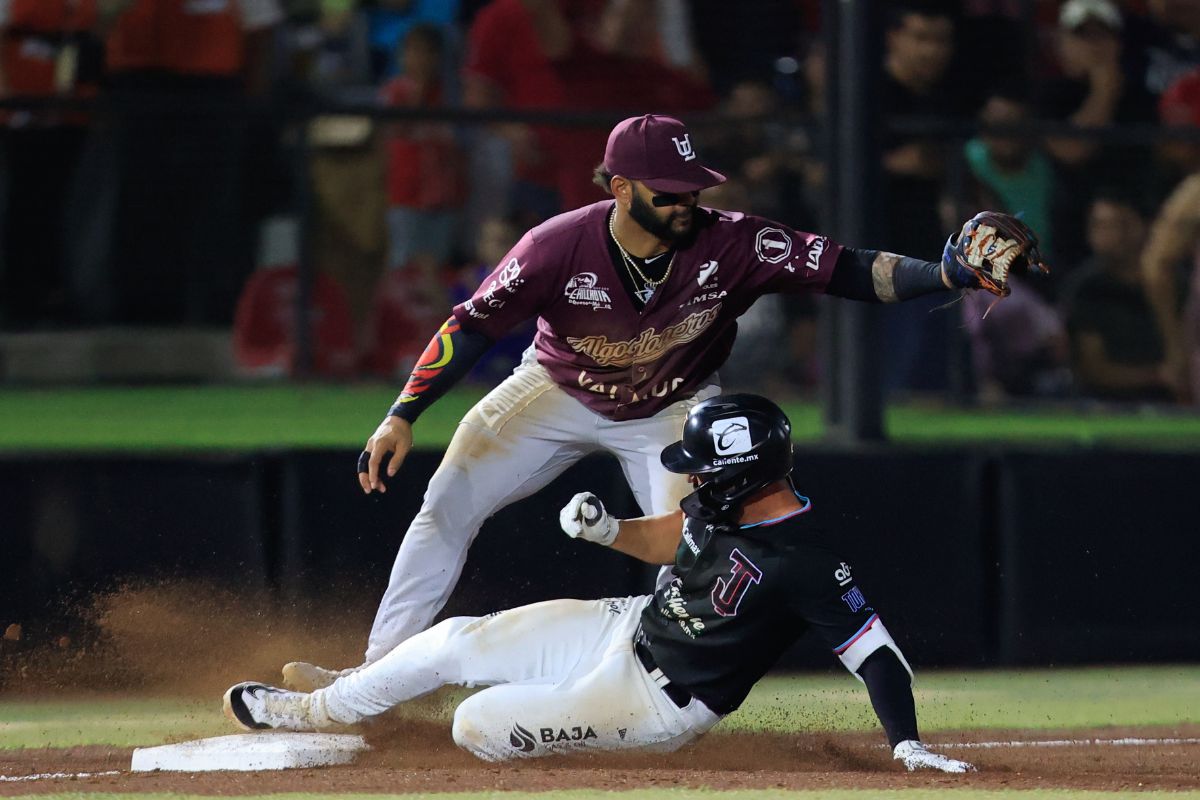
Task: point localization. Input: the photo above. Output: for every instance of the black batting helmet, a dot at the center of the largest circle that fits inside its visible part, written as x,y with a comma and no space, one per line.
739,443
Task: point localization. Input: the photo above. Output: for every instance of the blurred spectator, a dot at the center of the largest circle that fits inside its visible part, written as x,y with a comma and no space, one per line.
348,236
808,146
579,55
1166,43
658,31
179,78
264,322
1093,91
771,328
388,23
47,49
1117,351
497,236
1179,108
404,307
512,49
322,47
749,145
622,60
746,45
1013,172
425,177
1171,262
1018,345
918,46
993,41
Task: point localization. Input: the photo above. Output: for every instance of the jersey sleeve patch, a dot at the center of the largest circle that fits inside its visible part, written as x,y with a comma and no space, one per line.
515,291
790,260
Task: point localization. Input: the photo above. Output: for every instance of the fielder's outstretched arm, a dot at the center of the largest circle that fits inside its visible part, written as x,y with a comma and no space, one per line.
878,277
449,356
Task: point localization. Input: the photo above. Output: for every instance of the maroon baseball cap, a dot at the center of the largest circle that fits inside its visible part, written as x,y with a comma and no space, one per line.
657,151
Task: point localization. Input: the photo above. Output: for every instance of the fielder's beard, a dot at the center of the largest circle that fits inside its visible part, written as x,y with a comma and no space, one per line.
675,230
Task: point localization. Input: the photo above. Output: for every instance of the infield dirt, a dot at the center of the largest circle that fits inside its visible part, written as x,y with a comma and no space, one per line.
195,639
419,757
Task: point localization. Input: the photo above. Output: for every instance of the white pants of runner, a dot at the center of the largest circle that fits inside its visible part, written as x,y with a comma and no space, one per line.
517,439
563,678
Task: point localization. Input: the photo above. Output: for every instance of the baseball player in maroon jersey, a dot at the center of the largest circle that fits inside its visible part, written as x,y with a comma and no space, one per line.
636,300
751,571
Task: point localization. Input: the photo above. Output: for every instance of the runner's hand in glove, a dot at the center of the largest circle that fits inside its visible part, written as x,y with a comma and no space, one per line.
584,517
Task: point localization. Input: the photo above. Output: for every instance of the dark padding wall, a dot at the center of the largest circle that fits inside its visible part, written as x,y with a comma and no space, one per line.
971,556
910,525
1098,556
334,535
80,524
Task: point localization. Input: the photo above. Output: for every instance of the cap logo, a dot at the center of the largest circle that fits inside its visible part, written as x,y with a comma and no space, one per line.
684,147
731,435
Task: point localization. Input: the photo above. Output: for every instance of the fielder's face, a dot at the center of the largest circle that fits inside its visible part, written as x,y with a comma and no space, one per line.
669,217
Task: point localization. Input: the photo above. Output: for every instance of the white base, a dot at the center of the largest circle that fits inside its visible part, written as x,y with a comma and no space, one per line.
251,751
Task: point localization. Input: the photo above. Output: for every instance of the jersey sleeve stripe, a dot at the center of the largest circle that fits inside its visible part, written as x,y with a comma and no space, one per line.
842,648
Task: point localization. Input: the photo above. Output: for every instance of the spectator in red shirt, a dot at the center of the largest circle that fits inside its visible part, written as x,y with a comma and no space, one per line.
424,163
574,54
513,48
177,177
47,49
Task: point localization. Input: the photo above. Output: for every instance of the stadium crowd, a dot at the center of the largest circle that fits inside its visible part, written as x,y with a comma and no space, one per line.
174,199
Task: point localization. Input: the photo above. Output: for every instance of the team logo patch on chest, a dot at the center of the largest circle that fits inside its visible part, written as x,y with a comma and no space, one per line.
728,593
582,290
707,281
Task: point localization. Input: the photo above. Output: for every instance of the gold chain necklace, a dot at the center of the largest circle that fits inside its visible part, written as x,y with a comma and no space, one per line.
629,262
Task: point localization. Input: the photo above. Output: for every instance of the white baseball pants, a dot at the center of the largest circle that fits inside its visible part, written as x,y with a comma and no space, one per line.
563,678
517,439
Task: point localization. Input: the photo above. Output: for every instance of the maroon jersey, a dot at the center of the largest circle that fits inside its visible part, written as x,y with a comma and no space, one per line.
621,362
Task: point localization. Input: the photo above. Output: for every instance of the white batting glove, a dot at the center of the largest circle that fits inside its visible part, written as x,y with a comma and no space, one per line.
584,517
915,756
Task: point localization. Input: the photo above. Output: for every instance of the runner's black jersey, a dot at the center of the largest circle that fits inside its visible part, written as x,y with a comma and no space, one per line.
741,596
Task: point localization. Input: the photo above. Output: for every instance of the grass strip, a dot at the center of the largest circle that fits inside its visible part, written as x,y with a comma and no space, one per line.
946,700
343,416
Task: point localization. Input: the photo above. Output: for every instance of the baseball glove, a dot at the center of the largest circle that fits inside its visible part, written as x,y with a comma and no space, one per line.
989,247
